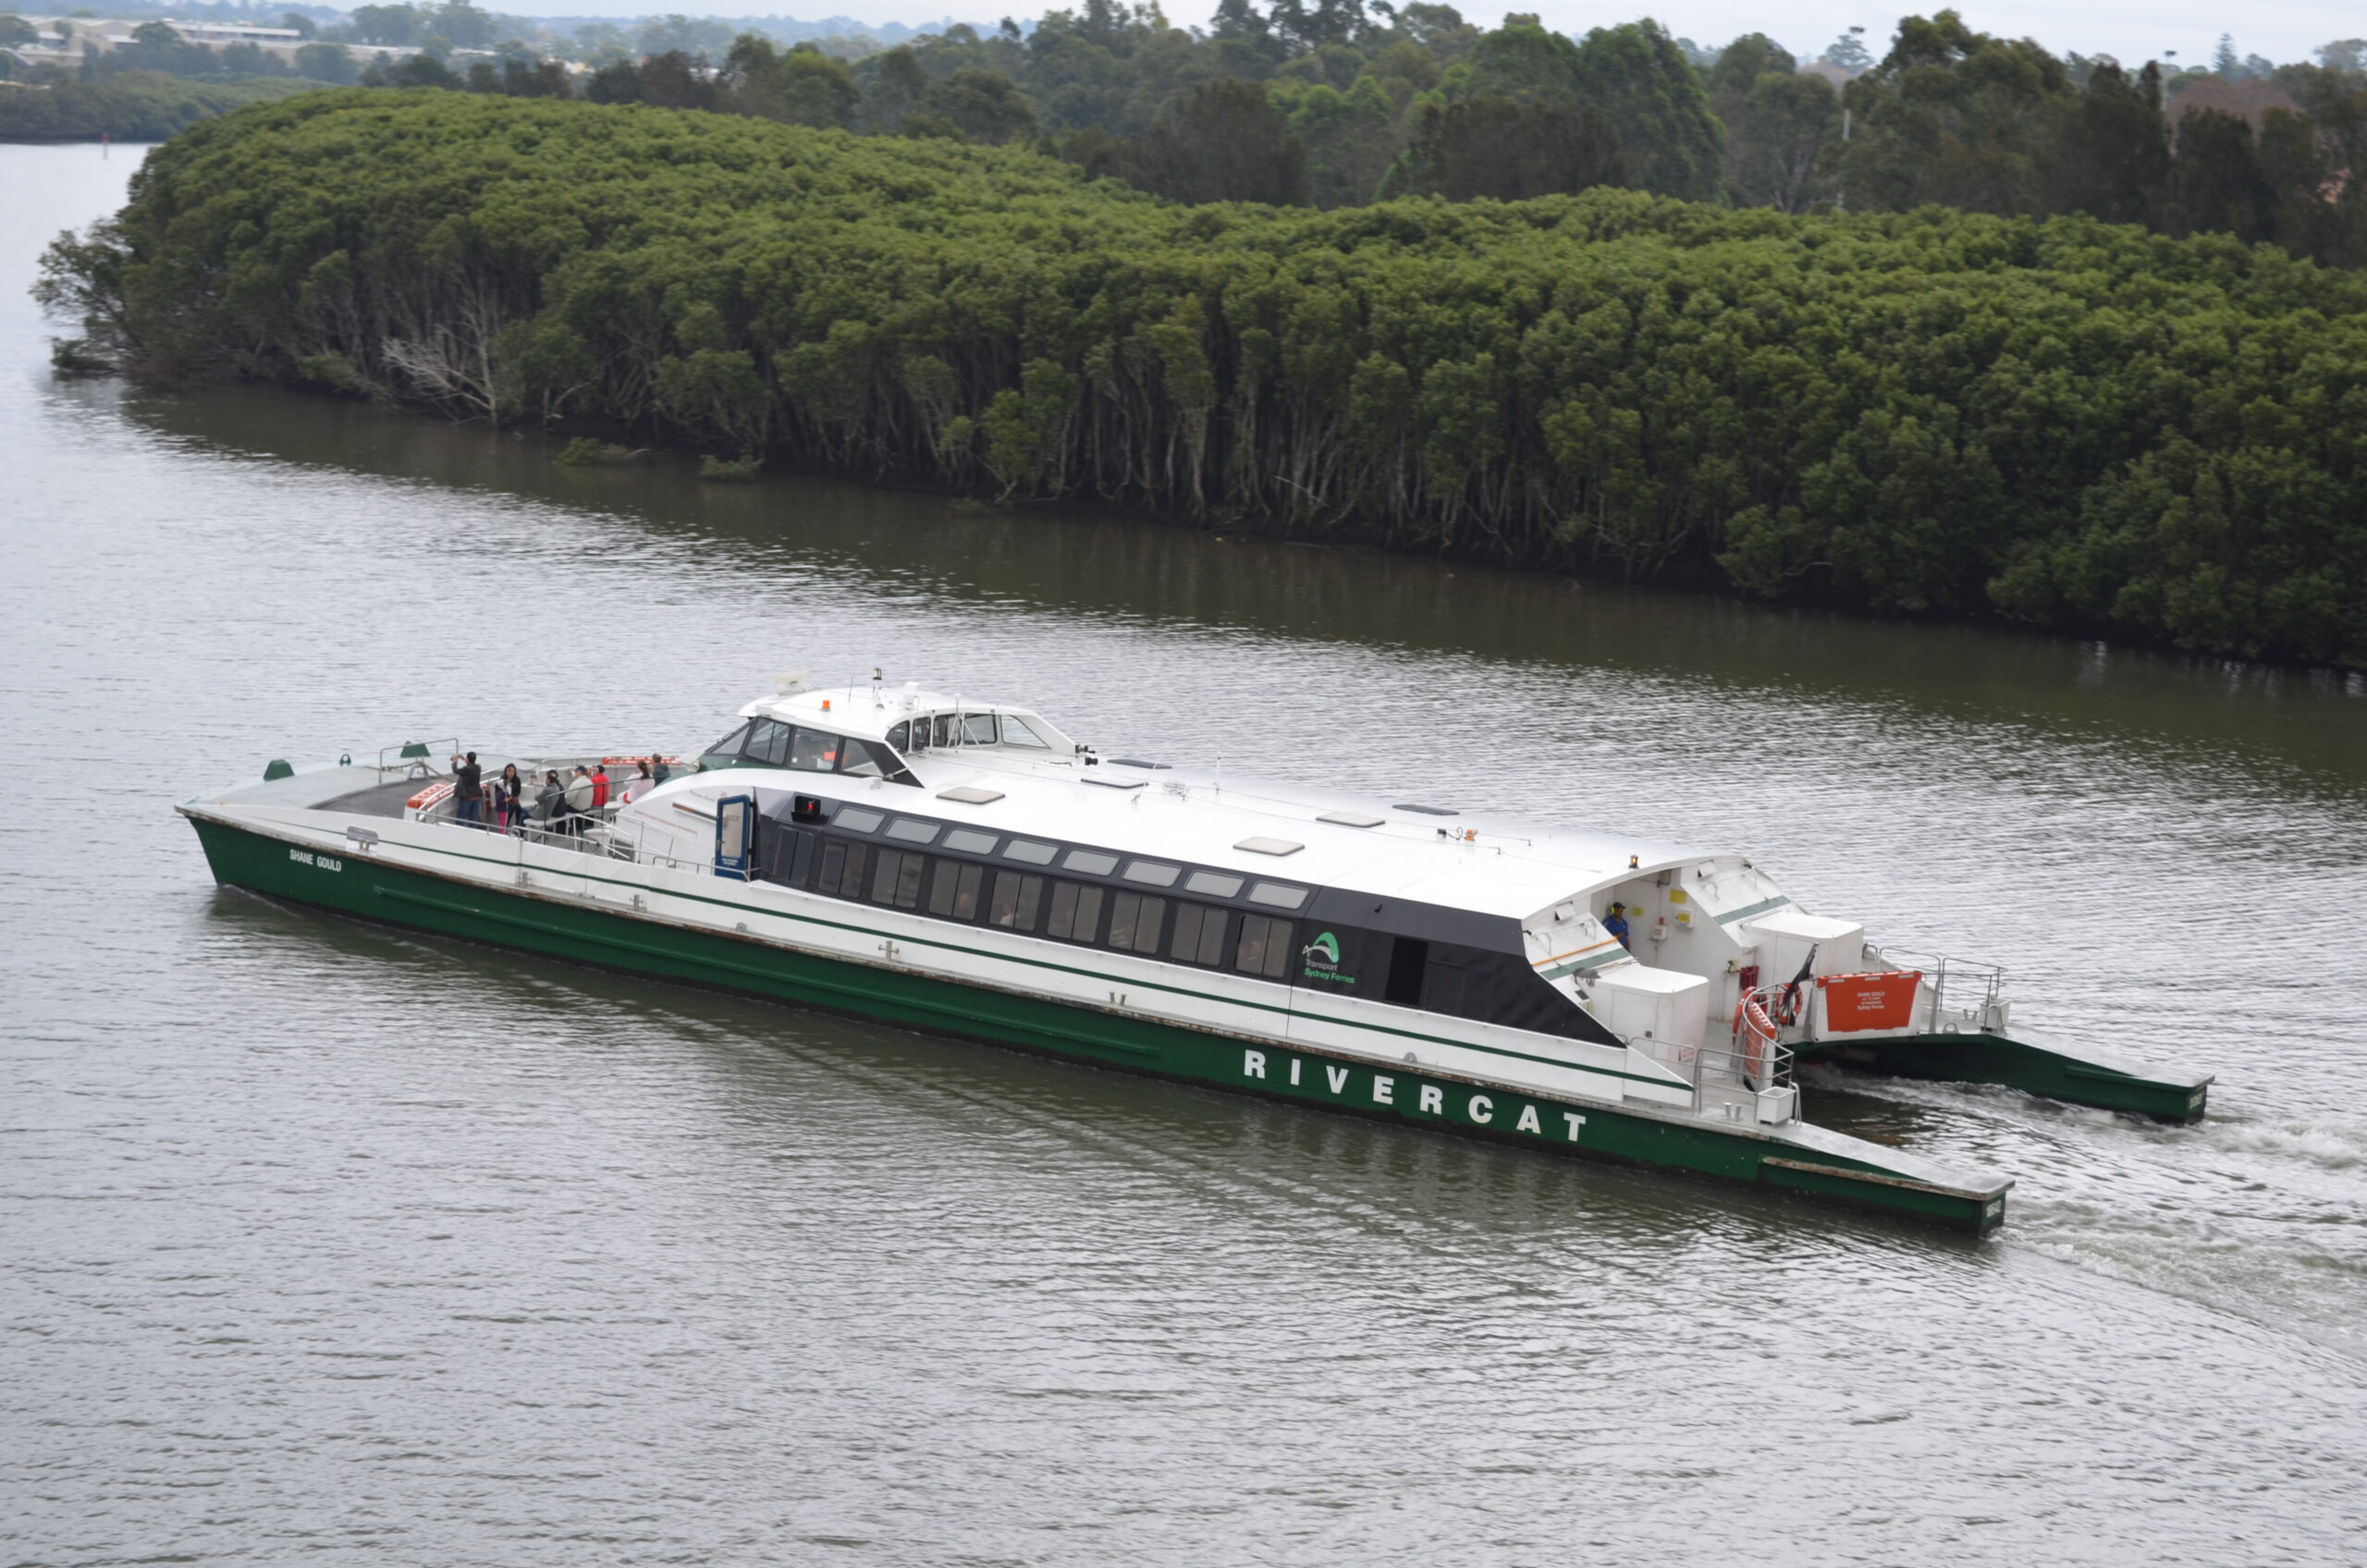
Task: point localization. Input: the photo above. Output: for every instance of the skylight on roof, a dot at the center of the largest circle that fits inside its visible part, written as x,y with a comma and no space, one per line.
1352,818
1260,846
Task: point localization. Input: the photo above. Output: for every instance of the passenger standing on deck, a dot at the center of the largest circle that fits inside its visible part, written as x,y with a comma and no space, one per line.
468,787
509,799
657,768
639,785
599,787
1616,922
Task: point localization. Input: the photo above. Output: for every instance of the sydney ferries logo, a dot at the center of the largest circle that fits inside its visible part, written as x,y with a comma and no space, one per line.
1321,960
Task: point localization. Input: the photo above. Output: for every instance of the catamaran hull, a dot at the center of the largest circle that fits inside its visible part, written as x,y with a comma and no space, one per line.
559,926
2051,1070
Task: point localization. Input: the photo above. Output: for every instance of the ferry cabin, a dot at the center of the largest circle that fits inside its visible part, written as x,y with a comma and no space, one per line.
1406,928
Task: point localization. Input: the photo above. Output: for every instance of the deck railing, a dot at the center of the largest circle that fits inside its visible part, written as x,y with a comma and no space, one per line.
1980,987
418,758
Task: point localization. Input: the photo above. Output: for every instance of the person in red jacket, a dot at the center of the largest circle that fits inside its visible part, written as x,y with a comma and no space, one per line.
599,786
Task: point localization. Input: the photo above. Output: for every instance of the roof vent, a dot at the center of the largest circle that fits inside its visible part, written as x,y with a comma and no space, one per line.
1269,845
1352,818
1427,811
970,795
1108,783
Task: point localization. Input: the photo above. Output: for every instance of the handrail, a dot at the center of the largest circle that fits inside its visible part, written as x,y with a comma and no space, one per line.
423,766
1989,977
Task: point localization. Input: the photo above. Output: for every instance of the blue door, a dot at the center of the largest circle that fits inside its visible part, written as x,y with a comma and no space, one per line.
735,837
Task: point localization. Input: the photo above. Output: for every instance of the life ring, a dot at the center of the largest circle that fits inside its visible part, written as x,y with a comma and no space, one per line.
1755,1033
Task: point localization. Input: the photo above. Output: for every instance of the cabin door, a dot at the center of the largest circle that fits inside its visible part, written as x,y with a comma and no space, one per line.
735,836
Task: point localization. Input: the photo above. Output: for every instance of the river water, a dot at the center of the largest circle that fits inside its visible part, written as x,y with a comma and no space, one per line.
328,1243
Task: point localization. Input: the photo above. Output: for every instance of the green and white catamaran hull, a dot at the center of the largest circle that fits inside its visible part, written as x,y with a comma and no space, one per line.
970,872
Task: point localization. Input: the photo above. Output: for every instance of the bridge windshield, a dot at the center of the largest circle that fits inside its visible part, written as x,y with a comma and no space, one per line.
769,743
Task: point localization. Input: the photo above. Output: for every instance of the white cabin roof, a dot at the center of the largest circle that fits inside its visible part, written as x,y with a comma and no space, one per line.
1470,861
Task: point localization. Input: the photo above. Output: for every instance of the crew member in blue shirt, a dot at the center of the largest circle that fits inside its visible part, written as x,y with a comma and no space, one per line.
1617,924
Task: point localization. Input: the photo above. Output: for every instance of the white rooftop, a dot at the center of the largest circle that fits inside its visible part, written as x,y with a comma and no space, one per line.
1467,860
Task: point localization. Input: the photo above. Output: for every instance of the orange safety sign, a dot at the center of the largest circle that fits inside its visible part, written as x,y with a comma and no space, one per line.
1880,1001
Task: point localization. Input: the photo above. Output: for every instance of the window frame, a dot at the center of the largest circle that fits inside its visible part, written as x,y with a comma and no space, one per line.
1141,917
1083,898
1274,937
1027,899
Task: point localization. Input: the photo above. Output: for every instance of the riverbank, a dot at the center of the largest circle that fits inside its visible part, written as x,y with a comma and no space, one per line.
2075,426
129,106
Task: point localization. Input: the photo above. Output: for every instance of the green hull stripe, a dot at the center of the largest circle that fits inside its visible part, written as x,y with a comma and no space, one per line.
855,994
554,925
1762,907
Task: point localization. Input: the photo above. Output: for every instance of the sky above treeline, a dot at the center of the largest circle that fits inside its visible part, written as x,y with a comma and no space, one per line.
2132,31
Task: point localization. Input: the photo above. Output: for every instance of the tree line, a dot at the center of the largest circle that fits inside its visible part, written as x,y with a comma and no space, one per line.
2076,424
1342,103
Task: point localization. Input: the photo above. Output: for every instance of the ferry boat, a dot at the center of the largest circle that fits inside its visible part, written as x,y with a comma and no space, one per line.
970,869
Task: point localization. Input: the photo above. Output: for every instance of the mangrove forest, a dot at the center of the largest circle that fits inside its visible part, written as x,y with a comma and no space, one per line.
2077,423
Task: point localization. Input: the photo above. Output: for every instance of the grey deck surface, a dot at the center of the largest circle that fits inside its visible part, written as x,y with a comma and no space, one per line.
378,800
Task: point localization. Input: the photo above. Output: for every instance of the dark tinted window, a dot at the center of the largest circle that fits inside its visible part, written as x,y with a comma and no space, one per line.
1443,974
1031,852
1264,948
896,879
1407,959
1199,935
1076,912
729,745
1134,922
815,751
953,890
843,867
769,743
781,852
1015,900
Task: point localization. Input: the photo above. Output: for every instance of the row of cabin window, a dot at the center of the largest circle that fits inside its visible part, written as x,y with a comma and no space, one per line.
775,744
1071,911
965,729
